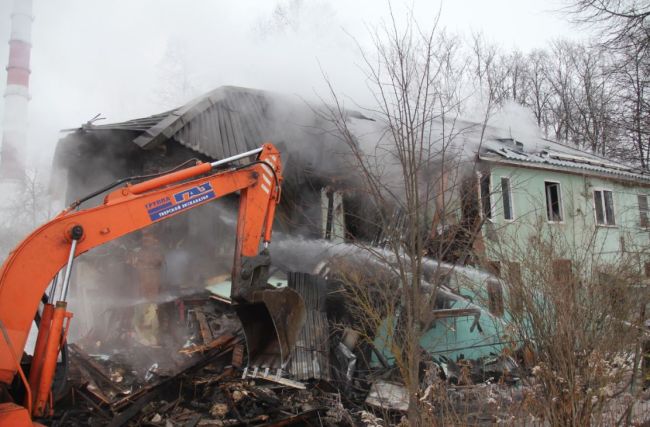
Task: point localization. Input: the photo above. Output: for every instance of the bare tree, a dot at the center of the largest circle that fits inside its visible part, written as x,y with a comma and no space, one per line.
538,88
491,74
624,32
412,174
24,211
579,315
633,86
517,74
593,125
621,19
562,81
175,77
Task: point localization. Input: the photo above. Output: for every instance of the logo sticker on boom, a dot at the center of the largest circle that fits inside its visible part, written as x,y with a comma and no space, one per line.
180,201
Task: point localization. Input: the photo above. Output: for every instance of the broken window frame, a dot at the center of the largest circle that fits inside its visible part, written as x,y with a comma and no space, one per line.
487,210
644,212
608,219
551,216
507,199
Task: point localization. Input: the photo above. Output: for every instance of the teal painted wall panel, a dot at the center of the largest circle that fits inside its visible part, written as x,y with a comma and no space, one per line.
578,227
463,337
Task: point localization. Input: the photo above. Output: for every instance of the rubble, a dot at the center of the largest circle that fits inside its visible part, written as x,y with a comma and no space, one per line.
205,397
384,394
201,378
193,380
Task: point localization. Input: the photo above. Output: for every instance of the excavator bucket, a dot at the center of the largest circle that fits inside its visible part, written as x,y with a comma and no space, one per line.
272,320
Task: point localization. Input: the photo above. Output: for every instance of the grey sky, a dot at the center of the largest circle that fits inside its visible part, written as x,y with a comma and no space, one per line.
112,57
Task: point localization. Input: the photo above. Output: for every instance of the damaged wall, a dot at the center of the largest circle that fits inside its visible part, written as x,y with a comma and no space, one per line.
192,249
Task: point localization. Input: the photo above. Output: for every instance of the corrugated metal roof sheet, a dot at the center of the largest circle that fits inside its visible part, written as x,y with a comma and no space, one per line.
226,121
557,156
230,120
142,124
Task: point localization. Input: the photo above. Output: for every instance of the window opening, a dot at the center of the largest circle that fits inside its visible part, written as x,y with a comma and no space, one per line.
507,199
604,204
486,203
553,201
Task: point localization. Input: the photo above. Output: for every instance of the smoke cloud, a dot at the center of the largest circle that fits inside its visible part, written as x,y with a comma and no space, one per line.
107,58
128,59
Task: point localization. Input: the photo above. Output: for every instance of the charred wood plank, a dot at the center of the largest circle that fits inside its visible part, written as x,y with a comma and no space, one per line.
206,335
94,369
94,405
133,410
148,393
303,416
193,421
224,341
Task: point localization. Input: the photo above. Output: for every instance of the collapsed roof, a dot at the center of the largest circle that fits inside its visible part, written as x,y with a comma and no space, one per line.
230,120
226,121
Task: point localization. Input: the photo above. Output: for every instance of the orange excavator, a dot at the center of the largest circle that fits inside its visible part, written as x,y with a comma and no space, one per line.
271,318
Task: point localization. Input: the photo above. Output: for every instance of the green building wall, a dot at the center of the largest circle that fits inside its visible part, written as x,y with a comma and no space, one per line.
577,235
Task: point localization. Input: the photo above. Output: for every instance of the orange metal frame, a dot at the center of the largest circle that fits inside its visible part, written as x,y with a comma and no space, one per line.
31,266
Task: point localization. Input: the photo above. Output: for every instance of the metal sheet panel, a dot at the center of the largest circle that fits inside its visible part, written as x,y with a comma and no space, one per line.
310,357
230,120
562,159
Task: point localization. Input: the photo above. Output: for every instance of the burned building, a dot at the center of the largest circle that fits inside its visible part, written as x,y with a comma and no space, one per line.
192,251
219,124
467,323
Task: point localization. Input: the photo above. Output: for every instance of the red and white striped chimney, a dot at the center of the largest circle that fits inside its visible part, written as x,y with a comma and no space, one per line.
14,130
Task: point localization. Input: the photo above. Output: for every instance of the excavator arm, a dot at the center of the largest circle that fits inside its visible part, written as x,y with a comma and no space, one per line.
37,260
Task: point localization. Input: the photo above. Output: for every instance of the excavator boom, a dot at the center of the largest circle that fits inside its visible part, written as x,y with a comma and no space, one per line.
32,265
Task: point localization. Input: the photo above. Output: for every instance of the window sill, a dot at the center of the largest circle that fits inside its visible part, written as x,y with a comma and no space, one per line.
606,226
555,222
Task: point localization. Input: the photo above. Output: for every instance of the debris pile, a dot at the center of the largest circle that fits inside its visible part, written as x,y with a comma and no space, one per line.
187,367
197,374
209,393
230,401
